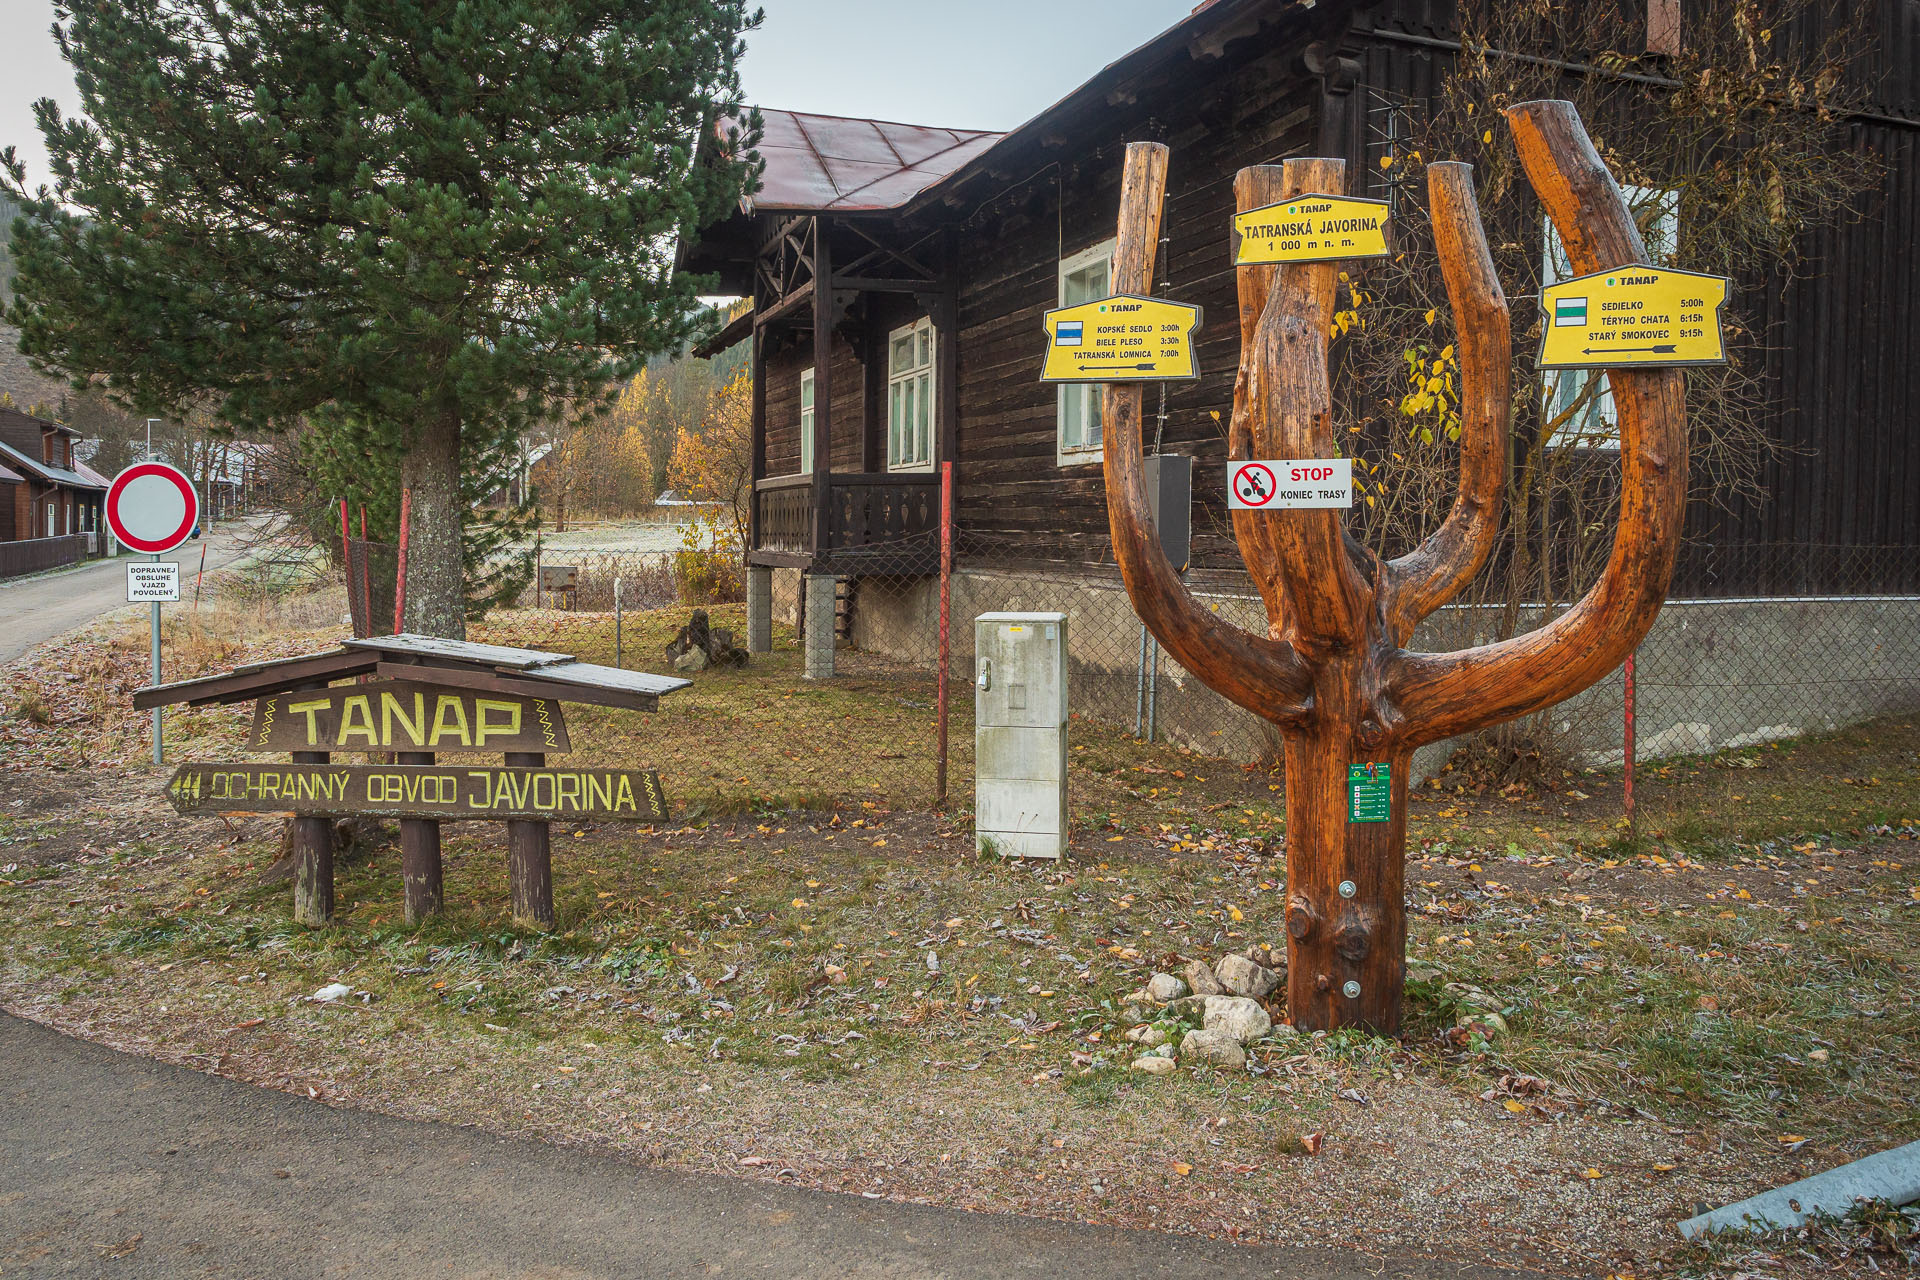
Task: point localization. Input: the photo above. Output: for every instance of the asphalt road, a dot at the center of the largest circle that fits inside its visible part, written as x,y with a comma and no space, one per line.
117,1166
34,610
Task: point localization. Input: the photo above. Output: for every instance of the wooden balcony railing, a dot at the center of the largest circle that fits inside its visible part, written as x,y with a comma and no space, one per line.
871,516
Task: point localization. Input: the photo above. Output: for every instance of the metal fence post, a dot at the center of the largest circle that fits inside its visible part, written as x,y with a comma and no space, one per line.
946,621
617,619
1633,822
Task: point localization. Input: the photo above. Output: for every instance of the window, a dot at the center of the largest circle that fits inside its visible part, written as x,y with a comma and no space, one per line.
910,397
806,423
1594,424
1085,277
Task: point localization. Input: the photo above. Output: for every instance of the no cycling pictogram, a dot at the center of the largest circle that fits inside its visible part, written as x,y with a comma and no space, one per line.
1253,484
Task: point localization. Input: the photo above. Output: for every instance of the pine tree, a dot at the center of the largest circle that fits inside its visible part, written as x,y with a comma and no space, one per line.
419,223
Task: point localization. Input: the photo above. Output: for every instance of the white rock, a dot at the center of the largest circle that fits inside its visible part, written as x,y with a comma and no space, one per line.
332,991
1237,1016
1216,1048
1200,978
1164,987
1154,1066
1148,1035
1242,977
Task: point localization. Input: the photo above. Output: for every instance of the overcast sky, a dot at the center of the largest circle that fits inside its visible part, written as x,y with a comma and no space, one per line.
987,64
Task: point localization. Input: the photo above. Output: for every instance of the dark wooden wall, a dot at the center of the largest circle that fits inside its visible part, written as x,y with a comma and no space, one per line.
1840,512
1837,512
1016,505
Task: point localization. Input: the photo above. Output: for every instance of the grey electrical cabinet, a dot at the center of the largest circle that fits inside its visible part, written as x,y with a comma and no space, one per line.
1020,734
1170,503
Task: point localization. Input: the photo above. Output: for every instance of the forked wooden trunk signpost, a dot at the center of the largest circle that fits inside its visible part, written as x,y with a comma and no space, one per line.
1332,671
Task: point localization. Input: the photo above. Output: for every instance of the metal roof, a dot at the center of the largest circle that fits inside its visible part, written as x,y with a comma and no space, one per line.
59,475
426,658
8,477
816,163
90,474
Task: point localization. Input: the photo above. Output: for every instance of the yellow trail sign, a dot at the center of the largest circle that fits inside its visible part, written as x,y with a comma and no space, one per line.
1121,339
1312,228
1633,316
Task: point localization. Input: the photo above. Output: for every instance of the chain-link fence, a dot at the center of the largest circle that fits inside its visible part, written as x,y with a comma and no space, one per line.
753,728
373,576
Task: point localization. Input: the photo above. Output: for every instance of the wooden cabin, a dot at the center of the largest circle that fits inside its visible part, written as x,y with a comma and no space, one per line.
899,275
52,495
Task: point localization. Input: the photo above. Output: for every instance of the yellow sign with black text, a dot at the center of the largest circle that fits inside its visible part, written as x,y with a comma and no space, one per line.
1311,228
1122,339
1633,316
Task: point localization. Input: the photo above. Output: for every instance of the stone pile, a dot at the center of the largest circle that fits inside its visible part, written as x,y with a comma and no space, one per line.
1226,999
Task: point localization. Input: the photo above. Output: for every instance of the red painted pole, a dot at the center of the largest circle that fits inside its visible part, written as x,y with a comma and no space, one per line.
366,572
946,624
346,552
199,575
1633,825
400,575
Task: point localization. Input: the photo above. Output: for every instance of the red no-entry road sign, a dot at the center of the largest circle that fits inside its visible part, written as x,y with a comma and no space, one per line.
152,508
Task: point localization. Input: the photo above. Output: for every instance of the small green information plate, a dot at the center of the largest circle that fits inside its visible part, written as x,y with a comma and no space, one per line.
1369,793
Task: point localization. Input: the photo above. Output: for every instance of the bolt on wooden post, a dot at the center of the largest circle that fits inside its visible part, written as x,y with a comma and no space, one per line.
1332,671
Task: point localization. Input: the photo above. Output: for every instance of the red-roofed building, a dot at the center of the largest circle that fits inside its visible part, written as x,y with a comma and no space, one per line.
54,497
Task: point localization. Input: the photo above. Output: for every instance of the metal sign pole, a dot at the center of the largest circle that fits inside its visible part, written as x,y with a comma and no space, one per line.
156,675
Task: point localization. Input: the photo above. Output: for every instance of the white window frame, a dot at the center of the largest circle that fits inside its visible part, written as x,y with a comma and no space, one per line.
806,421
1074,398
925,375
1601,427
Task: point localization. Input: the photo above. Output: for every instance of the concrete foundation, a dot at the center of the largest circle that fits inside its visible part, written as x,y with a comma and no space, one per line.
820,592
759,609
1711,674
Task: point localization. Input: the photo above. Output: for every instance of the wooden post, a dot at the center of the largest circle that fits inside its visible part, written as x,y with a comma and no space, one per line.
530,858
312,861
758,462
822,388
420,871
946,386
1332,672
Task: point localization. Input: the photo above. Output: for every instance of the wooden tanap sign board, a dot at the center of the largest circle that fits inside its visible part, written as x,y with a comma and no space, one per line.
418,698
401,715
419,791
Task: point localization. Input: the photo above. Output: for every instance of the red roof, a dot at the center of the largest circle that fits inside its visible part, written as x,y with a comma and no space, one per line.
91,474
818,163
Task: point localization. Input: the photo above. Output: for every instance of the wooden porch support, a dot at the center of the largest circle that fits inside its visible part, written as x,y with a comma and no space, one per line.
530,858
822,384
873,396
312,861
946,374
420,873
757,368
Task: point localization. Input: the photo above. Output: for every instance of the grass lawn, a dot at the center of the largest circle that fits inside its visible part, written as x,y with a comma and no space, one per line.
849,998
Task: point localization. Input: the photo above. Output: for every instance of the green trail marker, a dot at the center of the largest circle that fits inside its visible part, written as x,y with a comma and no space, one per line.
1369,792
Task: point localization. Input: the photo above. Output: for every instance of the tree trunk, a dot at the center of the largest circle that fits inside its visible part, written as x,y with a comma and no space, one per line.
1346,926
1330,674
436,579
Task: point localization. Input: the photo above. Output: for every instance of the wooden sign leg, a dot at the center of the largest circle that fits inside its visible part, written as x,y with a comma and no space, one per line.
530,858
420,856
312,860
